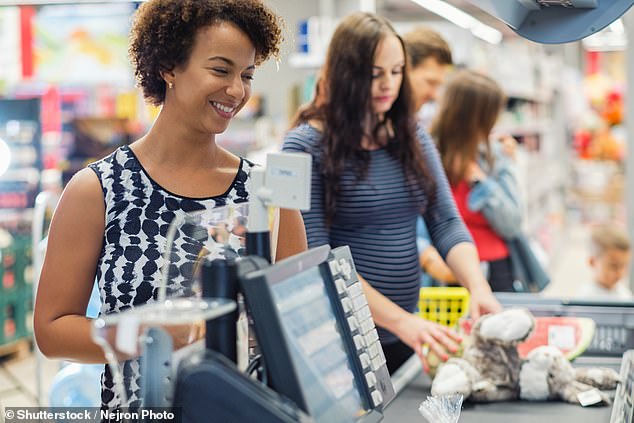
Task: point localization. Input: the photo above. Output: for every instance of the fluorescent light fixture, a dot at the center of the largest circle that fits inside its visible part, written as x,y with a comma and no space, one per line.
462,19
612,38
5,157
617,26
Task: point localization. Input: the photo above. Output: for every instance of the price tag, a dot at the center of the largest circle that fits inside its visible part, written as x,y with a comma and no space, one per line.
590,397
562,337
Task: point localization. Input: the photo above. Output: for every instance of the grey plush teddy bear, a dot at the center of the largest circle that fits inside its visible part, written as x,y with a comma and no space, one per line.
492,370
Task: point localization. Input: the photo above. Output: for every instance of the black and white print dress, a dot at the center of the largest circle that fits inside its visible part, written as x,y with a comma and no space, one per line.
138,215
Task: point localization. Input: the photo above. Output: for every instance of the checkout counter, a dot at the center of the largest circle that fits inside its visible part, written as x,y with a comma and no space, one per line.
321,360
321,356
614,335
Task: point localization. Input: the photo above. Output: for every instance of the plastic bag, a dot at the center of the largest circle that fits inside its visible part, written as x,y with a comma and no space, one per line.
443,409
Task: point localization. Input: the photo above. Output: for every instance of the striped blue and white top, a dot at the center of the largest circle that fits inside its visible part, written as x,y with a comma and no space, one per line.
376,217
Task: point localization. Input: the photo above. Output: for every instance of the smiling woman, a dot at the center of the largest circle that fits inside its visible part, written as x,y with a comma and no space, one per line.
195,58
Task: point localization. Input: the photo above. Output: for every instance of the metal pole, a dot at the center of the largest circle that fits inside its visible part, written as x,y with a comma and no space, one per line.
219,280
628,20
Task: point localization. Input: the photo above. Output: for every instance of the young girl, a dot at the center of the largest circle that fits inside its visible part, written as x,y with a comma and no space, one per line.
374,173
196,59
480,172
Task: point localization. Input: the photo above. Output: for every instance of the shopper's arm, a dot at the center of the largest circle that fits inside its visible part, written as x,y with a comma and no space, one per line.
292,235
409,328
74,244
435,266
450,236
465,265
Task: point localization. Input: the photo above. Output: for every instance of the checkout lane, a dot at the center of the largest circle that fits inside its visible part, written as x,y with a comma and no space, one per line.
614,334
300,303
415,388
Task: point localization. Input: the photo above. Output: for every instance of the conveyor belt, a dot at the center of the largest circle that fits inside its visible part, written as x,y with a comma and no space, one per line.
615,320
614,335
404,408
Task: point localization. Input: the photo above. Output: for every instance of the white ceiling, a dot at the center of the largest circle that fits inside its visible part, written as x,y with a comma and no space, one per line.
407,10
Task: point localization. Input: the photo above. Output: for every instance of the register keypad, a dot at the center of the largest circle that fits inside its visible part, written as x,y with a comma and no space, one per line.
357,311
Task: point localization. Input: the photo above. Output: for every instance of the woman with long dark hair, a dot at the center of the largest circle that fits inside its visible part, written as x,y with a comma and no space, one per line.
374,172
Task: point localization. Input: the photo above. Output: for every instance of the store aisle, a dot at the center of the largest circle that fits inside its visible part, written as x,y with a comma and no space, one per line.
18,385
571,267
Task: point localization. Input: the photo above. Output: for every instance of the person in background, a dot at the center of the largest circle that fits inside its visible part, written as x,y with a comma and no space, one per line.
195,59
430,59
374,173
610,253
481,174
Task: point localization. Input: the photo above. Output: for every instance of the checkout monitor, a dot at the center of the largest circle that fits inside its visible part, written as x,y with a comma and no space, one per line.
304,336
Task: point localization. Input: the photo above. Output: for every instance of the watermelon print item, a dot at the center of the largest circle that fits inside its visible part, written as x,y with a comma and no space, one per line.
571,335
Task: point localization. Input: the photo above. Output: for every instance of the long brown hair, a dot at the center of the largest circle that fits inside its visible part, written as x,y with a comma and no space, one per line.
467,113
343,105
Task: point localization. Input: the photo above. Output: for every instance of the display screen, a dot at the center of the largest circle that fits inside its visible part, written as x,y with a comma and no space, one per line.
317,347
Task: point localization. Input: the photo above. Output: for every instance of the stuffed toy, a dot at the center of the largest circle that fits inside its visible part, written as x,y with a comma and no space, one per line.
492,370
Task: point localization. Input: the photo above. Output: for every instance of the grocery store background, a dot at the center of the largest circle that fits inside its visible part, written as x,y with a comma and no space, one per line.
67,97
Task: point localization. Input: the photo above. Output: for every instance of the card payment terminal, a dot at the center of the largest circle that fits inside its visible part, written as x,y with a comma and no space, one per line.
320,348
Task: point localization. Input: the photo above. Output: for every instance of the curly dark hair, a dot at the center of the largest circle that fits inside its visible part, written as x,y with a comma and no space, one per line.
342,104
163,34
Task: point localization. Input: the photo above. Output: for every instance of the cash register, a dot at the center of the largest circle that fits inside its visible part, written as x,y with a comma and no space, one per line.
319,345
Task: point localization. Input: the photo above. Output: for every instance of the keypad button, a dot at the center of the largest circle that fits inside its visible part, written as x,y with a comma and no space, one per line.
359,302
377,362
359,342
353,323
371,337
341,285
366,326
346,304
365,360
370,378
346,268
334,267
364,314
355,290
377,398
374,350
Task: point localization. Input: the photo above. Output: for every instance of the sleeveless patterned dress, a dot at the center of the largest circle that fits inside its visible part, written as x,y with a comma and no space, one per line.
138,213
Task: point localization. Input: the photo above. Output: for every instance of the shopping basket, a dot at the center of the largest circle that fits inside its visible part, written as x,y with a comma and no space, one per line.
444,305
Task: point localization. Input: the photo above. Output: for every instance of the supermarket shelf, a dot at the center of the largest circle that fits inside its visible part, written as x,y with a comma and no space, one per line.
530,128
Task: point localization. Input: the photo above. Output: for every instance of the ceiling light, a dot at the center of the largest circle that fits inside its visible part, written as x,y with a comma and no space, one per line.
462,19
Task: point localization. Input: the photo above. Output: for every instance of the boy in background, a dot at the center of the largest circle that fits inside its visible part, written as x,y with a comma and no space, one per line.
610,252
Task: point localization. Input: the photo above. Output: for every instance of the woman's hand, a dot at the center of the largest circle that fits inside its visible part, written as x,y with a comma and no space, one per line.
474,172
509,146
433,264
482,301
415,332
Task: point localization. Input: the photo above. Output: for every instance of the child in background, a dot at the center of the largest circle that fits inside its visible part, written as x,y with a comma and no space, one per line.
609,258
